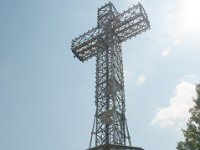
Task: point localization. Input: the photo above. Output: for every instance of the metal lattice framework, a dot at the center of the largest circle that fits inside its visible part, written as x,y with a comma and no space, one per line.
110,127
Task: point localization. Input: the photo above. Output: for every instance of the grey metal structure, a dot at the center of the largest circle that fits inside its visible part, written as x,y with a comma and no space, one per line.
110,129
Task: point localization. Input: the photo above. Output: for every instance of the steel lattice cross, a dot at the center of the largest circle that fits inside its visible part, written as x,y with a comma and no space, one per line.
110,128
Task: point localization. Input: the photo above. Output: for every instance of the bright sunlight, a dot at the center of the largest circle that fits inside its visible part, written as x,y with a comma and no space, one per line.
190,15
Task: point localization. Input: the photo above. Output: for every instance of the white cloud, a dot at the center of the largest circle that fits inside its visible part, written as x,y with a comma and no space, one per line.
141,79
166,51
176,114
190,78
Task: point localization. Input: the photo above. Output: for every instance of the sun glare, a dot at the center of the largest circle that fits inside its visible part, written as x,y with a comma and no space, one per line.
191,15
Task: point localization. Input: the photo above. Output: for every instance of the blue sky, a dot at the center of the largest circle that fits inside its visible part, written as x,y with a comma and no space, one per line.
47,96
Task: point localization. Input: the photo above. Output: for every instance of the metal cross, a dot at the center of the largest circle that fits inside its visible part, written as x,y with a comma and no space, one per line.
104,42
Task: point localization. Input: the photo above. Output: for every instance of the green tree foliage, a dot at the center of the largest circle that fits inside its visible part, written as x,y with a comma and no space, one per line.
192,132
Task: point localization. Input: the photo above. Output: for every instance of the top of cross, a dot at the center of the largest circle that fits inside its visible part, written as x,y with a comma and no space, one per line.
123,25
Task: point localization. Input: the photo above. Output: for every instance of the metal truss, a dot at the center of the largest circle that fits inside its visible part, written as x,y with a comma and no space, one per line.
125,25
110,129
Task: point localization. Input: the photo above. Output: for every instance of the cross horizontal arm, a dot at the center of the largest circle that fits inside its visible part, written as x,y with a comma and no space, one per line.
132,22
125,25
85,45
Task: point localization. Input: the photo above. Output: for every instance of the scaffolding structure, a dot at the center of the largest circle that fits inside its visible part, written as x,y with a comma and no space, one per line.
110,130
